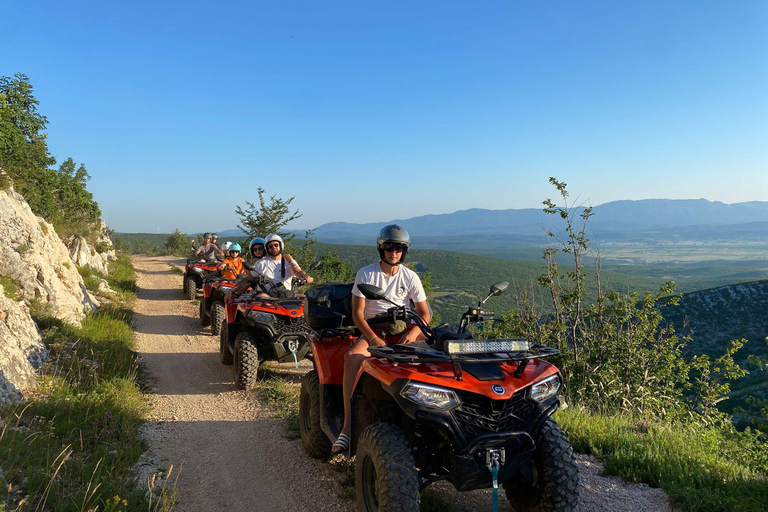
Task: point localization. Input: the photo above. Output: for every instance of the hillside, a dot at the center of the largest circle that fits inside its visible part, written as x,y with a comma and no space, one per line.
715,316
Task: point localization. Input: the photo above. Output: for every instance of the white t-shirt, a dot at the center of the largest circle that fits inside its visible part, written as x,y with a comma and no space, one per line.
270,269
404,285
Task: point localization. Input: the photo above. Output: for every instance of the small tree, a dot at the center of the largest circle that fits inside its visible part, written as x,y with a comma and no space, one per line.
267,217
177,244
143,247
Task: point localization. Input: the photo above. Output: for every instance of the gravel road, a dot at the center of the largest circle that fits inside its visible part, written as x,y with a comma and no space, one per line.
230,448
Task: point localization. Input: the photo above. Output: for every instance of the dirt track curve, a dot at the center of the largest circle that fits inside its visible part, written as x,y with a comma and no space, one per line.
232,451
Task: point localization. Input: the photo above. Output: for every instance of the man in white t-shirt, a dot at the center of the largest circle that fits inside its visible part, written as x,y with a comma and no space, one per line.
401,285
277,267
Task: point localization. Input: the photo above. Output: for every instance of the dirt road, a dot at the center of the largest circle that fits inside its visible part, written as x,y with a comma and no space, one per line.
232,451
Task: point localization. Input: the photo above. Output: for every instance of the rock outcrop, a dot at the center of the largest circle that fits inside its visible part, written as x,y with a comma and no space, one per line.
39,263
22,351
96,258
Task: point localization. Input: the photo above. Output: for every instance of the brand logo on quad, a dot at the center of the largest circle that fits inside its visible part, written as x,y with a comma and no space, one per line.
499,390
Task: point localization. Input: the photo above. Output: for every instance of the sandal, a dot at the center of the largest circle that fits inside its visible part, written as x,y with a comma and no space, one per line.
342,442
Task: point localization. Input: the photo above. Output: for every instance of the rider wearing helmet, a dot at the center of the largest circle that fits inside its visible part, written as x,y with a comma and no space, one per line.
278,268
207,251
400,285
232,266
256,248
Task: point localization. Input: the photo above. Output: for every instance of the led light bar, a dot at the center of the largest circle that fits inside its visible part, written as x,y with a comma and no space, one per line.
459,347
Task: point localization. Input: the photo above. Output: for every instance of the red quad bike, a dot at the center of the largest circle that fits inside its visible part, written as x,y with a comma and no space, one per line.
263,328
475,412
212,304
194,273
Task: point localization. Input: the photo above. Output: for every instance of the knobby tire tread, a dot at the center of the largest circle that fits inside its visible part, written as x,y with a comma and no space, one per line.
315,442
397,479
557,489
246,361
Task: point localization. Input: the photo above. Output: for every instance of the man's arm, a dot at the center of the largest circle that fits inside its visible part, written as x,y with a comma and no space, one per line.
422,308
358,316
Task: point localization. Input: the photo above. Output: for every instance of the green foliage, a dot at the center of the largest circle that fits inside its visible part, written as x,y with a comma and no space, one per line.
144,247
10,288
120,243
177,244
701,468
58,195
91,278
267,217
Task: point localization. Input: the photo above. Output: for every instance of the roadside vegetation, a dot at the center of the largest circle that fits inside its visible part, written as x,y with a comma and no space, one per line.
71,445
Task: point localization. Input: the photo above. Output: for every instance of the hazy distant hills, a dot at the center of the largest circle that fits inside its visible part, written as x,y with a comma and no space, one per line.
666,217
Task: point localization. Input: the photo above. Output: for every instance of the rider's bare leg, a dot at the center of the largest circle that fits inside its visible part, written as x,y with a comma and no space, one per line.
352,361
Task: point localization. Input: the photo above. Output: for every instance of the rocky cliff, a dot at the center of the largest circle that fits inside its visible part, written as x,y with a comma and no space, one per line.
22,351
41,267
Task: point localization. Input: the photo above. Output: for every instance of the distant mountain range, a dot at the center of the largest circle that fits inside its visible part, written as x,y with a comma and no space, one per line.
691,215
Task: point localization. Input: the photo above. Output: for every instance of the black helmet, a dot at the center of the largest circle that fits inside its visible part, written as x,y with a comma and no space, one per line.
396,235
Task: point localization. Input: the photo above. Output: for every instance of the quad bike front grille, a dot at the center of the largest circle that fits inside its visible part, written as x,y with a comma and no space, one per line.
478,415
281,325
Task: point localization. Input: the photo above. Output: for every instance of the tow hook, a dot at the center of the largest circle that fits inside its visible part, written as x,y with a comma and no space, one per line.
293,346
494,458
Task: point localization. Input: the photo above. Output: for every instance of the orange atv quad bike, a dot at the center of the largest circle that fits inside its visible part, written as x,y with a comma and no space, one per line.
475,412
212,304
195,273
258,328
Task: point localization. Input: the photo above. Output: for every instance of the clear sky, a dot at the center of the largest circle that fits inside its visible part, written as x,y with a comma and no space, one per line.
369,111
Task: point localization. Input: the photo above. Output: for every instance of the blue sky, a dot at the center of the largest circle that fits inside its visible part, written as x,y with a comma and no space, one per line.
370,111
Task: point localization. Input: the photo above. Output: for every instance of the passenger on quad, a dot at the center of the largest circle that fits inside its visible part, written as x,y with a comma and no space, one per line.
256,249
232,266
400,284
278,269
208,250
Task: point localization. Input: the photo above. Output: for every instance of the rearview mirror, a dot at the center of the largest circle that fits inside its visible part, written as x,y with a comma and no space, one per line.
248,265
371,292
314,265
499,288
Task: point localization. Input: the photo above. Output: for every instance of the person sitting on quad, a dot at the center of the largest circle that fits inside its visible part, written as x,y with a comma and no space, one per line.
271,268
278,268
400,284
256,249
232,266
208,249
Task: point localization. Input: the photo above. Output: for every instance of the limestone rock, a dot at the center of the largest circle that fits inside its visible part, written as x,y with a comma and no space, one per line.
22,351
35,258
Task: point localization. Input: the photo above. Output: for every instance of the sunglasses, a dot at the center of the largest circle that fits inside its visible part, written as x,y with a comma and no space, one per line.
394,247
257,248
273,244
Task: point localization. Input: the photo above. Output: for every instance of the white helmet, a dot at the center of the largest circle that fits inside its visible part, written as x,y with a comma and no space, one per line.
225,247
274,238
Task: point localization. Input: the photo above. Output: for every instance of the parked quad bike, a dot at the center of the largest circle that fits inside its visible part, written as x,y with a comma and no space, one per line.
475,412
212,304
258,329
195,273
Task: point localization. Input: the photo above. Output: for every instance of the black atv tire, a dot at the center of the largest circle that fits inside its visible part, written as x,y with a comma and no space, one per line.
314,440
218,315
225,355
205,319
191,286
246,361
556,475
386,479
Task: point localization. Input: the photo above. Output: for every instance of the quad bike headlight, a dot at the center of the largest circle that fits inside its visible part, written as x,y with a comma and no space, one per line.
457,347
261,316
429,396
546,388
